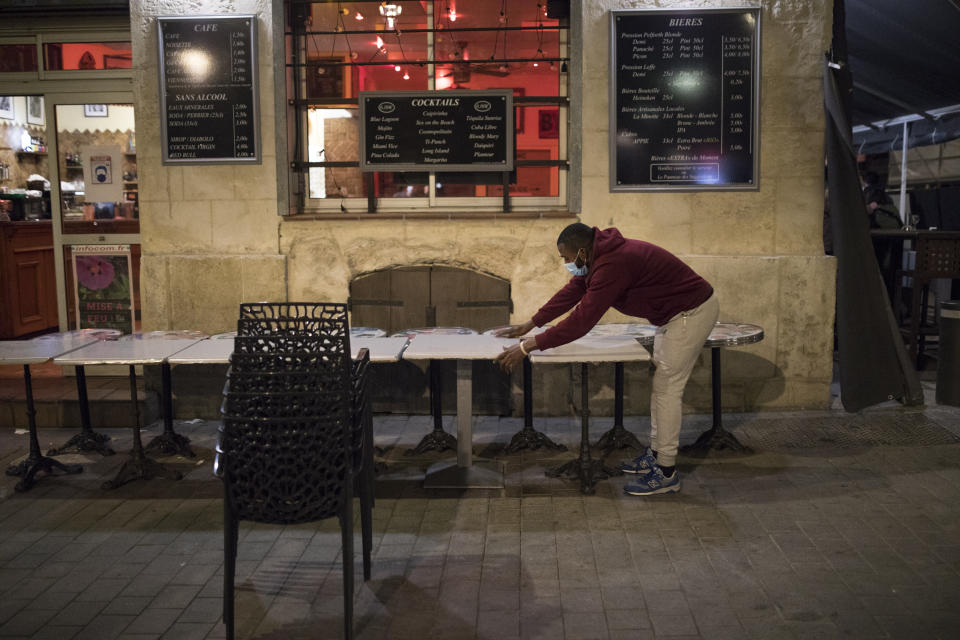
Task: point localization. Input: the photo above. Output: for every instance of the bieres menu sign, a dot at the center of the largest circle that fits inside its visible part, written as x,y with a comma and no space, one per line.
684,99
441,130
208,89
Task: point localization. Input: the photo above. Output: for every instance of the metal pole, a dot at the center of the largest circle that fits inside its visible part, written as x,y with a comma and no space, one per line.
903,174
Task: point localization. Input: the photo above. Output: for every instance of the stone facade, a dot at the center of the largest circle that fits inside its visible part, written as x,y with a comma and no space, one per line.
213,236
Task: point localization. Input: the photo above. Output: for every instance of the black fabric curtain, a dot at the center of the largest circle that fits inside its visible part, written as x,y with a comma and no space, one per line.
874,366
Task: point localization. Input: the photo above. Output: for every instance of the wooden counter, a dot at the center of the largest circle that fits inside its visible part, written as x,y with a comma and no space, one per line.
28,289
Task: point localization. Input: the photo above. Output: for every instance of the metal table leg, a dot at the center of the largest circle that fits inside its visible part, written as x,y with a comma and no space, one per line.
528,437
139,466
716,438
87,439
585,468
169,442
465,472
35,462
618,437
438,439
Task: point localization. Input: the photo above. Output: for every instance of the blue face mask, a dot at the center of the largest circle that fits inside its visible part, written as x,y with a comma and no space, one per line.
574,269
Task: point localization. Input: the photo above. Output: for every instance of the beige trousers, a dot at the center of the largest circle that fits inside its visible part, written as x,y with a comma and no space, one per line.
676,347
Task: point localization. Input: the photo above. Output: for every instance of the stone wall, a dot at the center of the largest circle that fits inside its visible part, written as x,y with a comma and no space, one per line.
209,233
212,238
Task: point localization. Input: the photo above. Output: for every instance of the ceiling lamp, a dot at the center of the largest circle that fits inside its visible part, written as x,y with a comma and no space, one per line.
359,16
379,42
390,12
453,14
406,76
396,68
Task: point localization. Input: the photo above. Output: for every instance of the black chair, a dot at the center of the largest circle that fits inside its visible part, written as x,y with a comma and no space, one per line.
296,432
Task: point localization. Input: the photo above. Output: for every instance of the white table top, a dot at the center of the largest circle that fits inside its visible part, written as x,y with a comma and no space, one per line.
44,348
213,350
132,349
381,349
603,348
433,346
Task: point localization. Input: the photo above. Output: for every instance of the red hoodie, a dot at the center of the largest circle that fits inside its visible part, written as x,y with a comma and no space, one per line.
634,277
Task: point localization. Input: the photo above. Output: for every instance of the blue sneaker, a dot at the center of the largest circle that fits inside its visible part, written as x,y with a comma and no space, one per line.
653,483
640,466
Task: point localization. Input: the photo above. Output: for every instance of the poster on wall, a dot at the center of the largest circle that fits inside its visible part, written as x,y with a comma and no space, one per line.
6,107
99,166
103,287
209,107
684,99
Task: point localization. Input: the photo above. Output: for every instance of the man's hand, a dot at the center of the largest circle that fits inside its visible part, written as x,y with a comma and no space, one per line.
513,355
515,331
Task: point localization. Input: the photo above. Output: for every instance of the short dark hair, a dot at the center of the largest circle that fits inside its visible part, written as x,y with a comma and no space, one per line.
576,236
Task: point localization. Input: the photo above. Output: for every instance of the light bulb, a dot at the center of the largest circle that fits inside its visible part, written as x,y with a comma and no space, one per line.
396,68
453,15
359,16
406,76
379,42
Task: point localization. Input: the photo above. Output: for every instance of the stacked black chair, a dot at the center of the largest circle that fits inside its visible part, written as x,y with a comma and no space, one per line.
297,434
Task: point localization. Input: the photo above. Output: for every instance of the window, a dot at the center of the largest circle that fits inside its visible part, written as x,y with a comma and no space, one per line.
338,49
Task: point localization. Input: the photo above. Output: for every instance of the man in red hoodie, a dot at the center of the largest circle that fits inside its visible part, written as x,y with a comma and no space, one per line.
639,279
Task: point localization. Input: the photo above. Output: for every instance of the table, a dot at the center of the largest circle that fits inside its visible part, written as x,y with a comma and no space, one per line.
724,334
597,348
148,348
37,351
464,472
618,437
528,437
437,439
87,439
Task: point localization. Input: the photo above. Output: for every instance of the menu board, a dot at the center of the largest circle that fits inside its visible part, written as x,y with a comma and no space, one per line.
439,130
208,89
103,288
684,100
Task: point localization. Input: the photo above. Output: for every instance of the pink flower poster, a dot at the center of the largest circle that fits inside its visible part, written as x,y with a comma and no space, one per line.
103,287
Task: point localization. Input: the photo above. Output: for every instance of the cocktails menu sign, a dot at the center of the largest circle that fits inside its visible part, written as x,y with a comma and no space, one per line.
440,130
684,99
208,89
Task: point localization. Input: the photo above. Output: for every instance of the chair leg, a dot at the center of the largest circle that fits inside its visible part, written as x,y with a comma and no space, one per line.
346,532
366,516
230,536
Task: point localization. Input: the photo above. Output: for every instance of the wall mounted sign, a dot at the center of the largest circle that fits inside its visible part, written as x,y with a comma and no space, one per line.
439,130
209,107
100,182
103,288
684,99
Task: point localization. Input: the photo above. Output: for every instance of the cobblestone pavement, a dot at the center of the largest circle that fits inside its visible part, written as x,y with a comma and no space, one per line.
812,536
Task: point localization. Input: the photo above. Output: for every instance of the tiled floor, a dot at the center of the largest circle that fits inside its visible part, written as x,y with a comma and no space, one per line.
827,538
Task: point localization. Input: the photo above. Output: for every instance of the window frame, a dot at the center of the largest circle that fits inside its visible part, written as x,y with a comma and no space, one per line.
303,206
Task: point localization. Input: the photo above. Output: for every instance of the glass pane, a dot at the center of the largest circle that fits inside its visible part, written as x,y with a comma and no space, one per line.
59,56
98,168
18,57
488,52
333,136
24,164
402,185
327,75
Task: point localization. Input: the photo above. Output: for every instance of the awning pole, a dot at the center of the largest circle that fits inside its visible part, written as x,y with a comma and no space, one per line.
903,174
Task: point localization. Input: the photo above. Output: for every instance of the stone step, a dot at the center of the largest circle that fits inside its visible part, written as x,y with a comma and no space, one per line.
57,405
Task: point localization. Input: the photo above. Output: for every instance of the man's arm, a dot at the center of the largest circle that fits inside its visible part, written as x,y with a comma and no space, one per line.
605,288
562,301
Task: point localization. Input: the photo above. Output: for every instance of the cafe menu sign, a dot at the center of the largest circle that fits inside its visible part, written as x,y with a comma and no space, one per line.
103,287
684,99
208,89
436,131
